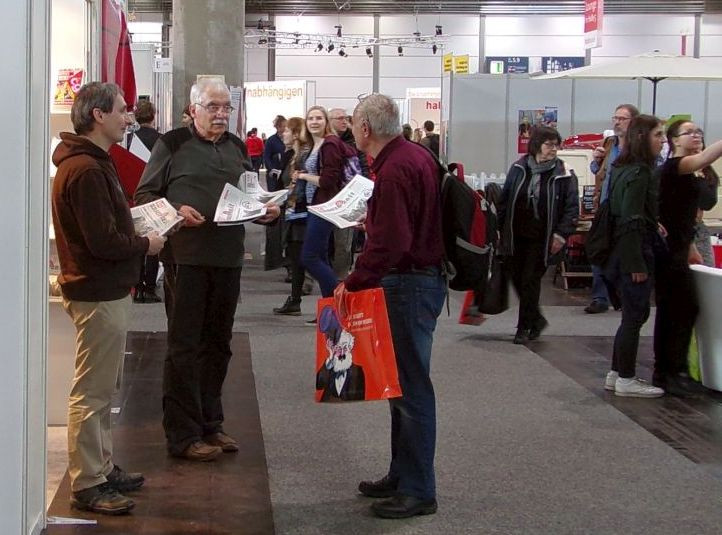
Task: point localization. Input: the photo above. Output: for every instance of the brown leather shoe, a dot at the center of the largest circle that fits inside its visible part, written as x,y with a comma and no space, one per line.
200,451
221,440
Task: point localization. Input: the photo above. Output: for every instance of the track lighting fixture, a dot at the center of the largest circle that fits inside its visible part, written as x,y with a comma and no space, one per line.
342,53
338,30
401,50
434,48
263,41
417,35
259,26
319,47
330,47
438,29
369,53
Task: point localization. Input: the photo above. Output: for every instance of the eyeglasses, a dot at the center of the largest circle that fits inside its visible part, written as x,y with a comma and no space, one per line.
551,144
694,133
620,119
215,108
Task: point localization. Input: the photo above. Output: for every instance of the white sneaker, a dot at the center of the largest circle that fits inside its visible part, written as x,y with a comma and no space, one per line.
610,380
636,388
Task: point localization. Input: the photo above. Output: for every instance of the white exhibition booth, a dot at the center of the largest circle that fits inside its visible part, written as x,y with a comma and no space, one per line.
709,337
265,100
422,104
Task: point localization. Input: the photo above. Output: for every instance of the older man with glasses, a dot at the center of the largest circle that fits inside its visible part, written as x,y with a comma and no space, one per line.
190,166
601,167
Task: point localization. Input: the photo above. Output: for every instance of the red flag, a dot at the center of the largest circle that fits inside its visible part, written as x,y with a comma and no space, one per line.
116,58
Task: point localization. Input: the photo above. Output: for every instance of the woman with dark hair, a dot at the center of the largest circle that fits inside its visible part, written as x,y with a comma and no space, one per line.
538,210
295,139
630,267
682,191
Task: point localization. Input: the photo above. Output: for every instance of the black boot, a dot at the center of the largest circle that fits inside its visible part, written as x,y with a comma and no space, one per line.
289,308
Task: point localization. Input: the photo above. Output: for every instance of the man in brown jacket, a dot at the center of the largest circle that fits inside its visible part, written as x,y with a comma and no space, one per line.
99,262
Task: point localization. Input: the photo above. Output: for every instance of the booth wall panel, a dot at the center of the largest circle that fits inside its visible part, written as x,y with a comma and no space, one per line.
338,88
596,100
478,110
68,51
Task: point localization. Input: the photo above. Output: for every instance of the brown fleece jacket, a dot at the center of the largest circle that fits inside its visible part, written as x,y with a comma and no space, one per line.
98,249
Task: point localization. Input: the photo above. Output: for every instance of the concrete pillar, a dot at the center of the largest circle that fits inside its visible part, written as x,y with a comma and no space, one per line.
207,39
24,30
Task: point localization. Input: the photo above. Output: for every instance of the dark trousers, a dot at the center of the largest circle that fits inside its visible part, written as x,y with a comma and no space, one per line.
148,273
169,271
199,337
414,302
635,298
527,269
677,310
256,162
298,274
314,255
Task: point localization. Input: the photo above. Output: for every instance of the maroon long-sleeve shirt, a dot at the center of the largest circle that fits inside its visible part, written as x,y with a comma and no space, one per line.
403,224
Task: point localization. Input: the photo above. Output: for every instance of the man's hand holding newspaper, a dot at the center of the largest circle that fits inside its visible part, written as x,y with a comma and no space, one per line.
348,207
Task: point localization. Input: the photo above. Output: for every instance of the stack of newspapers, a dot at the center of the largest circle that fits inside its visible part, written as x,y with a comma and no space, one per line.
348,207
157,216
247,202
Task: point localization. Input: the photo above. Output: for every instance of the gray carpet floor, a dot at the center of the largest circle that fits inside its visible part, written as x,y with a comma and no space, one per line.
522,448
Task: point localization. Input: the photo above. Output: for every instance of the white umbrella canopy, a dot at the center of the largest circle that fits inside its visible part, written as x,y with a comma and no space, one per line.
653,66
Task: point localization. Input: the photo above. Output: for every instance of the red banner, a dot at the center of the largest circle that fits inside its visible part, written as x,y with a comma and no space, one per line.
593,17
116,64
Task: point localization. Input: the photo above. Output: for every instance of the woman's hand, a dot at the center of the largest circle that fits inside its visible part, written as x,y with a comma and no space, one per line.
693,257
639,277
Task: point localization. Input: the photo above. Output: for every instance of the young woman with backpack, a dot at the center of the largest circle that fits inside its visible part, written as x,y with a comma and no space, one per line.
537,212
631,264
682,191
325,176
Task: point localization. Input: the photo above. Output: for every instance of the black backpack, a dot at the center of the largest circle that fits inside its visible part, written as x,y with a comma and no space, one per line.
465,215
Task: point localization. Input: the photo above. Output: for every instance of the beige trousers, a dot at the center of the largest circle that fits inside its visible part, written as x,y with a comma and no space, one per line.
100,347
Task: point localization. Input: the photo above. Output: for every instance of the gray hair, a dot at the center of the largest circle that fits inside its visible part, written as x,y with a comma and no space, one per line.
381,113
93,95
205,84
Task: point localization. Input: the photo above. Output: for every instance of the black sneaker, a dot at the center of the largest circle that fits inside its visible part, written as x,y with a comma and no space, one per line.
289,308
123,481
521,336
103,499
535,332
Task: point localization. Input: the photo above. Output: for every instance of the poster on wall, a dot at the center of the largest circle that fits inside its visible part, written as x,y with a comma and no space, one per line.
265,100
424,104
461,64
593,17
546,116
448,62
67,86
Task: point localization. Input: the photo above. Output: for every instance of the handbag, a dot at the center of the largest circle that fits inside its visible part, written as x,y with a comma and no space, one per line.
495,297
355,359
599,240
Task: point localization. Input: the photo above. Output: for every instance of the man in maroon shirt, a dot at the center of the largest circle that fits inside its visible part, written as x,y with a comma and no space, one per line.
403,255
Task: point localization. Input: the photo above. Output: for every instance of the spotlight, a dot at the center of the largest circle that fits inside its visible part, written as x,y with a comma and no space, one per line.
438,29
330,48
417,34
401,50
342,53
259,26
338,30
263,41
434,48
369,53
319,47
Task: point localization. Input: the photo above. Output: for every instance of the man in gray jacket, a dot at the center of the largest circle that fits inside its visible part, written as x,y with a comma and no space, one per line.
190,166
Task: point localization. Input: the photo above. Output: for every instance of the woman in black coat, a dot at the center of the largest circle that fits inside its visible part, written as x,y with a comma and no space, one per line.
538,211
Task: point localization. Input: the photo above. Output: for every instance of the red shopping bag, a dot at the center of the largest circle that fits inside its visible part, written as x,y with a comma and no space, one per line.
355,361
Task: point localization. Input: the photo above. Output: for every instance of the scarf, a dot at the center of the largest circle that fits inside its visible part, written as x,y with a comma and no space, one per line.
537,169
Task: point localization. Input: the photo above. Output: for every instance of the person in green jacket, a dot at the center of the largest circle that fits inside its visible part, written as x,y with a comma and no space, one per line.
630,268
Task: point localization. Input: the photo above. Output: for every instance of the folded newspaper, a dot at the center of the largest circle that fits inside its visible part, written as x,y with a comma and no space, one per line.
248,183
348,207
157,216
235,207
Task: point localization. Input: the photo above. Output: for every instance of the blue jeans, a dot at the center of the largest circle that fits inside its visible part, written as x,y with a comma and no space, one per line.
599,289
414,302
314,255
